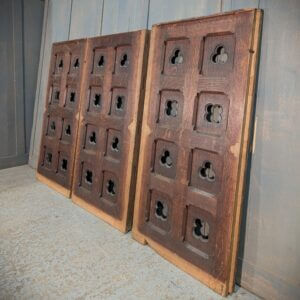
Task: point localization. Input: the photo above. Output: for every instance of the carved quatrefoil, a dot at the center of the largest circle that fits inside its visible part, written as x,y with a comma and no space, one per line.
219,56
206,171
171,108
166,159
161,210
201,229
177,57
213,113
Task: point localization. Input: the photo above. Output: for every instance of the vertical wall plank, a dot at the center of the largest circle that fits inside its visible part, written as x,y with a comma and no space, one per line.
270,256
86,18
228,5
56,29
33,17
170,10
122,16
7,103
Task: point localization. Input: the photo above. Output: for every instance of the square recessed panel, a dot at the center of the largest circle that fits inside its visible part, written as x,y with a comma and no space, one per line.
110,187
200,234
75,65
170,108
218,57
67,130
95,99
118,102
87,176
49,157
63,167
212,113
207,171
55,95
100,60
165,162
114,144
53,126
92,138
176,57
72,97
60,63
124,60
160,212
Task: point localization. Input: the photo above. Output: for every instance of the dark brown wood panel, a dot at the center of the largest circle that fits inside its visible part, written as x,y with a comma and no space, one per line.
111,113
195,130
61,116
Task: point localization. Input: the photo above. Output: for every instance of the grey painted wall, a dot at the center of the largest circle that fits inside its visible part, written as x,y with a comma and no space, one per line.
20,35
269,260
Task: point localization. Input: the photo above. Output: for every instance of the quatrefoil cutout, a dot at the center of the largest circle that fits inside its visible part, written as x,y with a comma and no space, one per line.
68,130
171,108
52,126
92,138
207,172
115,144
89,177
76,63
64,164
49,158
166,159
110,186
120,102
213,113
97,100
61,64
177,57
124,62
201,229
219,56
101,61
161,210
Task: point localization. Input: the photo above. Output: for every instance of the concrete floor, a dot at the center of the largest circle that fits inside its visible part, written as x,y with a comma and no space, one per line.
52,249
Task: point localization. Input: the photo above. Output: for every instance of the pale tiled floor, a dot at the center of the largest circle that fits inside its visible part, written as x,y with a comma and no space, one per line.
52,249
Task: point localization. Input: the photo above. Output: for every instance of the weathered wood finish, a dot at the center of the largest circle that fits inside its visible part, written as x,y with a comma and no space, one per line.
61,116
195,141
107,149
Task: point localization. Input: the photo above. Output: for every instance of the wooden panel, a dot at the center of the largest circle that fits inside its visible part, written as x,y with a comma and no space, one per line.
86,18
56,28
107,148
60,123
170,10
195,142
122,16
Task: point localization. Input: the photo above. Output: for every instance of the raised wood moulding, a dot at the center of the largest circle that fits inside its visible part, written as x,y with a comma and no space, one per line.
195,141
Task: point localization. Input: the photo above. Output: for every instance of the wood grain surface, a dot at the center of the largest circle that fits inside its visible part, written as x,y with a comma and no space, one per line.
194,144
110,123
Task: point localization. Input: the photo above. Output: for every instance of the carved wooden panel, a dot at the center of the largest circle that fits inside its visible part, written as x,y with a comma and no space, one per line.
107,150
61,115
194,142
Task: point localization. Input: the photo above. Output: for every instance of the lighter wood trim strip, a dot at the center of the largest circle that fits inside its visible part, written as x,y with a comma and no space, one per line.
244,148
